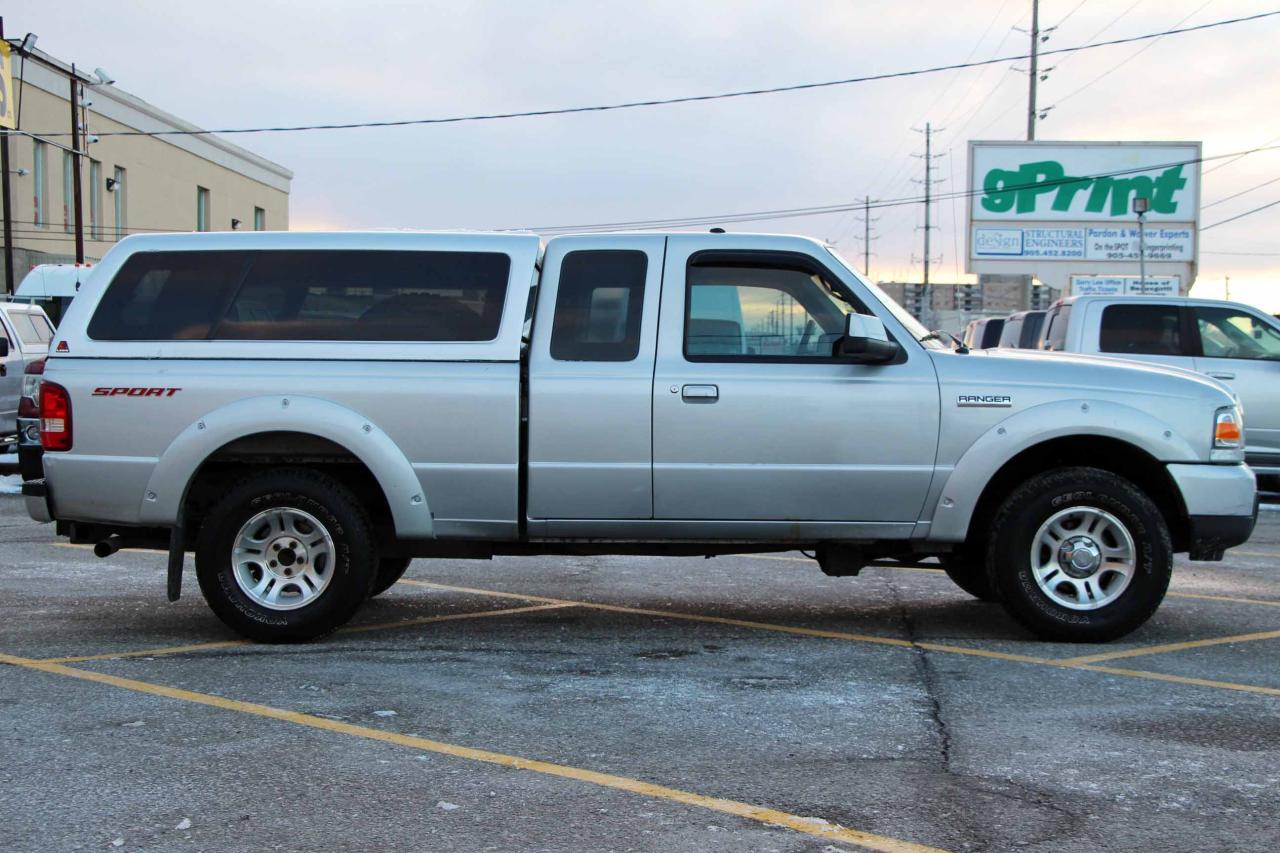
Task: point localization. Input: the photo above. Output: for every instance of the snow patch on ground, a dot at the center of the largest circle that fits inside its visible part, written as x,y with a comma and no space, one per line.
11,485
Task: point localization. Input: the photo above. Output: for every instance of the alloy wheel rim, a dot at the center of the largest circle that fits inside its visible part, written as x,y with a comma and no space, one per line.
1083,558
282,558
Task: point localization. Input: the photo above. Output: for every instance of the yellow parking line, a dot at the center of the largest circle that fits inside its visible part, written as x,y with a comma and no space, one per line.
741,623
938,571
807,825
1170,647
355,629
1181,679
887,641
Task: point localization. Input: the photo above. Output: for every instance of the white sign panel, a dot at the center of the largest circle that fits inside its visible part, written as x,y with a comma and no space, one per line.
1084,182
1056,210
1124,285
1121,244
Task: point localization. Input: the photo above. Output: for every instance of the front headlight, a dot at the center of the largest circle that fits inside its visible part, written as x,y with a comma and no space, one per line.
1228,429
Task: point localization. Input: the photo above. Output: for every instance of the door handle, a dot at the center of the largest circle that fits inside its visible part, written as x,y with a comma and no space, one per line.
700,393
1223,375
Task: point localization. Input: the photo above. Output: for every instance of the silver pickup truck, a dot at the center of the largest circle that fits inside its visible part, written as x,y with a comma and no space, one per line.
307,412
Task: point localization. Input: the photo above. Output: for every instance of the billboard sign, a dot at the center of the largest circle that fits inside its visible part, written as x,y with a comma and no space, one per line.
1124,285
1057,209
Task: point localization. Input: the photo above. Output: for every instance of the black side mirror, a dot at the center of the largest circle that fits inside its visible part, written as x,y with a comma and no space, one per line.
865,341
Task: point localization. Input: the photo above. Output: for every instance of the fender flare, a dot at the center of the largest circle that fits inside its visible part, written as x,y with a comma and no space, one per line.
956,500
166,490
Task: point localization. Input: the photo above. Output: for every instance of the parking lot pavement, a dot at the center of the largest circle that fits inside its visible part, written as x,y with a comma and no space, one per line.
632,703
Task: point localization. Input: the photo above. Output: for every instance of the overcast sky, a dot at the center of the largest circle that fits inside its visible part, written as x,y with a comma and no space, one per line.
236,64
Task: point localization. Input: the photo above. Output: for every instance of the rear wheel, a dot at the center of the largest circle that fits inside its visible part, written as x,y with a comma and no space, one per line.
390,570
286,556
1080,555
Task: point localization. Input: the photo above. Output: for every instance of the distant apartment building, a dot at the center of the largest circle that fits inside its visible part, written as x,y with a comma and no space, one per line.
128,184
950,305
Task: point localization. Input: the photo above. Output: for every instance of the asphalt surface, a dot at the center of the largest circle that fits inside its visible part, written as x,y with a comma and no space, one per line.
891,704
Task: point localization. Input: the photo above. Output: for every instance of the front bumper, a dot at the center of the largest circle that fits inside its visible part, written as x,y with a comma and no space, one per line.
1222,506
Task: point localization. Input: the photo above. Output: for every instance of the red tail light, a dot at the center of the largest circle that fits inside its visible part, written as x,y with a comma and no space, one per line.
55,417
28,405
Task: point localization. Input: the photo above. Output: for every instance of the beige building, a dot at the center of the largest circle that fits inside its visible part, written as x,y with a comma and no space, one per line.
129,184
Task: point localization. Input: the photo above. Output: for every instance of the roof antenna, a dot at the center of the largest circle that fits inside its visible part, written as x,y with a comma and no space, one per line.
717,230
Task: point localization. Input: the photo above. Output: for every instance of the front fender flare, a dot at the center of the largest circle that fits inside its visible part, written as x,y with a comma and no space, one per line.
167,488
956,500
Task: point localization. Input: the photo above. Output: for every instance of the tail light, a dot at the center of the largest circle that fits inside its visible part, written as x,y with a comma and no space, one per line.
55,417
29,405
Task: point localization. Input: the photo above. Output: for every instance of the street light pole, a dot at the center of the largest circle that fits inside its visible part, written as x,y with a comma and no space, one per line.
1141,204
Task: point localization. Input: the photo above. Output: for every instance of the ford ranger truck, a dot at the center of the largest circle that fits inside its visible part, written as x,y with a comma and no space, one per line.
307,412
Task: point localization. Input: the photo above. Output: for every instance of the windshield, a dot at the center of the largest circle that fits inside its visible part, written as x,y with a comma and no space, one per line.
902,315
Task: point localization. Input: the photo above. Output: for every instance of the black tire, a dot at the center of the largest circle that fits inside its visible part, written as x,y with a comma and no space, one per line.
1017,523
390,570
967,568
350,567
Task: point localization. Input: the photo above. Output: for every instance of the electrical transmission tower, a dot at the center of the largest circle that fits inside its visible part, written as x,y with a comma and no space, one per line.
929,180
866,218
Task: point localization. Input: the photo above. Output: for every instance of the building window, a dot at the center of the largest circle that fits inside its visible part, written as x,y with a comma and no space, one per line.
41,216
119,202
259,219
68,189
202,209
95,200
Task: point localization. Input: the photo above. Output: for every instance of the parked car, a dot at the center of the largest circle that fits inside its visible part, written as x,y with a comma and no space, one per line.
307,412
983,333
1022,330
25,332
1234,343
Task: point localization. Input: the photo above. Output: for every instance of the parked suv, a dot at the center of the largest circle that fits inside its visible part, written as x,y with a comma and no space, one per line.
1022,330
983,333
1233,343
25,332
307,412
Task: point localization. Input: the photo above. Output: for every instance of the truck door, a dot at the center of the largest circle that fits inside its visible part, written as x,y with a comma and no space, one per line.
1242,349
755,419
591,379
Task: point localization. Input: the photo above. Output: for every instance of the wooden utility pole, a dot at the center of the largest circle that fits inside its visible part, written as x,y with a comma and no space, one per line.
76,202
8,210
1034,76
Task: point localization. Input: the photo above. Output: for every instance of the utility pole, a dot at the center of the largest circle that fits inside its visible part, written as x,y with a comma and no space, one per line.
75,164
926,298
8,210
1034,76
867,236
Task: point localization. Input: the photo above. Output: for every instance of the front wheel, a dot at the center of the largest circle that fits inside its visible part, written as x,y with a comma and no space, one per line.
1080,555
390,570
286,556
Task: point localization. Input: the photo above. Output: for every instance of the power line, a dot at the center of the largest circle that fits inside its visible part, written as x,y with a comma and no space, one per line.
1244,254
1237,195
1240,215
744,93
818,210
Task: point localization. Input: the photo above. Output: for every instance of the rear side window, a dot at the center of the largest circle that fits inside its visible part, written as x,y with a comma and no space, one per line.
33,329
1055,336
991,334
598,306
1141,330
320,295
1031,325
167,296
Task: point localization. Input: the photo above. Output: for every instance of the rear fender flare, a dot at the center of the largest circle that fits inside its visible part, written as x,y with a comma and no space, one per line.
956,500
167,488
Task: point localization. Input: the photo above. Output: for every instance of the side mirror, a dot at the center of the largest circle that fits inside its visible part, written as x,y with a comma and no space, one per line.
865,341
4,347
